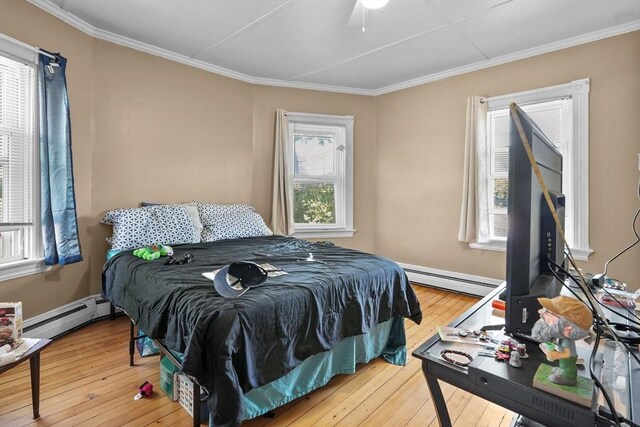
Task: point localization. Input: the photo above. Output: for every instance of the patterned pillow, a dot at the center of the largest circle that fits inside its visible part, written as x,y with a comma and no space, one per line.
161,224
235,226
209,211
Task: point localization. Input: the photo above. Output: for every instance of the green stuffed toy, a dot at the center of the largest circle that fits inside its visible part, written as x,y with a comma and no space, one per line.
153,252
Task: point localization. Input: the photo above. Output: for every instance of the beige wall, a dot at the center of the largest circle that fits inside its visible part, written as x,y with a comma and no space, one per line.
145,128
164,132
420,151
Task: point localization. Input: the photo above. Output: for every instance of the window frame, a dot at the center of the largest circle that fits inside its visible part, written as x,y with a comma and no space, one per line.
33,250
343,161
578,91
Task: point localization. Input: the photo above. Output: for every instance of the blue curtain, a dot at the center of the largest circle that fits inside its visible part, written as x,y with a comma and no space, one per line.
57,194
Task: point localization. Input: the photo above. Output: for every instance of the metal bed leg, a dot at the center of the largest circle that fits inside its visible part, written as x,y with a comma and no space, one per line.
112,312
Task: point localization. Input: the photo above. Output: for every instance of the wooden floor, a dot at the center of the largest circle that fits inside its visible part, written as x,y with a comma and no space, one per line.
86,380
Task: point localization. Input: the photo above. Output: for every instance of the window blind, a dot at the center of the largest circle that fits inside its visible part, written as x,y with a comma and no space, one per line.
17,97
554,119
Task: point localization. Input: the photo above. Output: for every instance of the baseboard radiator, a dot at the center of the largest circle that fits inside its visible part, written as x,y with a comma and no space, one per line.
66,318
450,280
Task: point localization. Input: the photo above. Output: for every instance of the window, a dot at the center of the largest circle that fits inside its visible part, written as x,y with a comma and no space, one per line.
562,114
321,164
20,242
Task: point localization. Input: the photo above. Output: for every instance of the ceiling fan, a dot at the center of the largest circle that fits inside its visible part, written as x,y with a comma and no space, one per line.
361,8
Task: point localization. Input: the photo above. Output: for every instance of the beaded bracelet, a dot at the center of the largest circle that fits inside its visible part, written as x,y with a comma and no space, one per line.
444,353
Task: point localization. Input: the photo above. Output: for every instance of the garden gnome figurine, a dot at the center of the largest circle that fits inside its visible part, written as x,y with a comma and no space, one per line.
563,320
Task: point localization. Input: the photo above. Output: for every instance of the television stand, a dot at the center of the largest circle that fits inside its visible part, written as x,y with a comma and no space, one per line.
512,388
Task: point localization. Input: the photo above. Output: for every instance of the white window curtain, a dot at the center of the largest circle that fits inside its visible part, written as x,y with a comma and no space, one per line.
282,202
475,169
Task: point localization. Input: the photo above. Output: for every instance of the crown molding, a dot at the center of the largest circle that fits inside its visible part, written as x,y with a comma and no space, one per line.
313,86
87,28
523,54
166,54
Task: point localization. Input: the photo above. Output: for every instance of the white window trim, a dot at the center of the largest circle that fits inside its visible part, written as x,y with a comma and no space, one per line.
25,54
324,231
22,268
579,92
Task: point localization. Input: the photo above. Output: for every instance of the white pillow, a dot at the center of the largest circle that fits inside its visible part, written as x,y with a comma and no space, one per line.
209,211
234,226
192,211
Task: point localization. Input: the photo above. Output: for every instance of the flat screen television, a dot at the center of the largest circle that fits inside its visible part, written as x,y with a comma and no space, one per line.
532,235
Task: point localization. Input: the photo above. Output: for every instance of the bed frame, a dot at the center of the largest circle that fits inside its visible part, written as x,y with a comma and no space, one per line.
164,351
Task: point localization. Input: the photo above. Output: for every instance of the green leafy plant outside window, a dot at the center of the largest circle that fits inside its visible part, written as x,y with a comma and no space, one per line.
314,204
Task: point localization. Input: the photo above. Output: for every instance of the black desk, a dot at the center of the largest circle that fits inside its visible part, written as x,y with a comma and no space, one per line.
512,388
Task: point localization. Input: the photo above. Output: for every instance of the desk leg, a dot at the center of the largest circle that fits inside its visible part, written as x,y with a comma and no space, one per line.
438,399
34,365
196,404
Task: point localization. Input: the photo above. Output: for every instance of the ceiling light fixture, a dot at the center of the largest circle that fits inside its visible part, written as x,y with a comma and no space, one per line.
371,5
374,4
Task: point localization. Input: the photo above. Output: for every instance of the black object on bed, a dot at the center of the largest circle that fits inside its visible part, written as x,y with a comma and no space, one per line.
236,344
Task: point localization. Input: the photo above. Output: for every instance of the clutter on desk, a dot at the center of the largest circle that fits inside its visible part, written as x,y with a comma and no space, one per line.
463,336
498,304
514,360
10,324
450,356
494,344
9,355
618,298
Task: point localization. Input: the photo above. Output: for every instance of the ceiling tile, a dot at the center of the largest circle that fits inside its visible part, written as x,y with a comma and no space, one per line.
524,24
432,53
312,35
455,10
181,26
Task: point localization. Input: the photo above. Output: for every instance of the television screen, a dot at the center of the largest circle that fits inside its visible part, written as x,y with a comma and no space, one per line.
532,236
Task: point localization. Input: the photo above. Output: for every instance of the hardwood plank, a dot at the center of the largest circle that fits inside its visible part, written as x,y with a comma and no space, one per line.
347,399
87,381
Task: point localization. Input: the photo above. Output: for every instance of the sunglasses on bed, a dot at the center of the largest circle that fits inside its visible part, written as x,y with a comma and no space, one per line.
184,259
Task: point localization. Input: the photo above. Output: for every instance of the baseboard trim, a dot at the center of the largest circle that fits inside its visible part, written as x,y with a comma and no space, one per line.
450,280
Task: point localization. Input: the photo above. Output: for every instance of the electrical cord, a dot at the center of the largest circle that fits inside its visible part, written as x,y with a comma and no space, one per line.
597,318
611,330
617,419
626,308
597,382
628,421
633,227
567,274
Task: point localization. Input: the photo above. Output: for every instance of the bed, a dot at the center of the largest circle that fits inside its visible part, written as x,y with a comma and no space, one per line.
279,340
